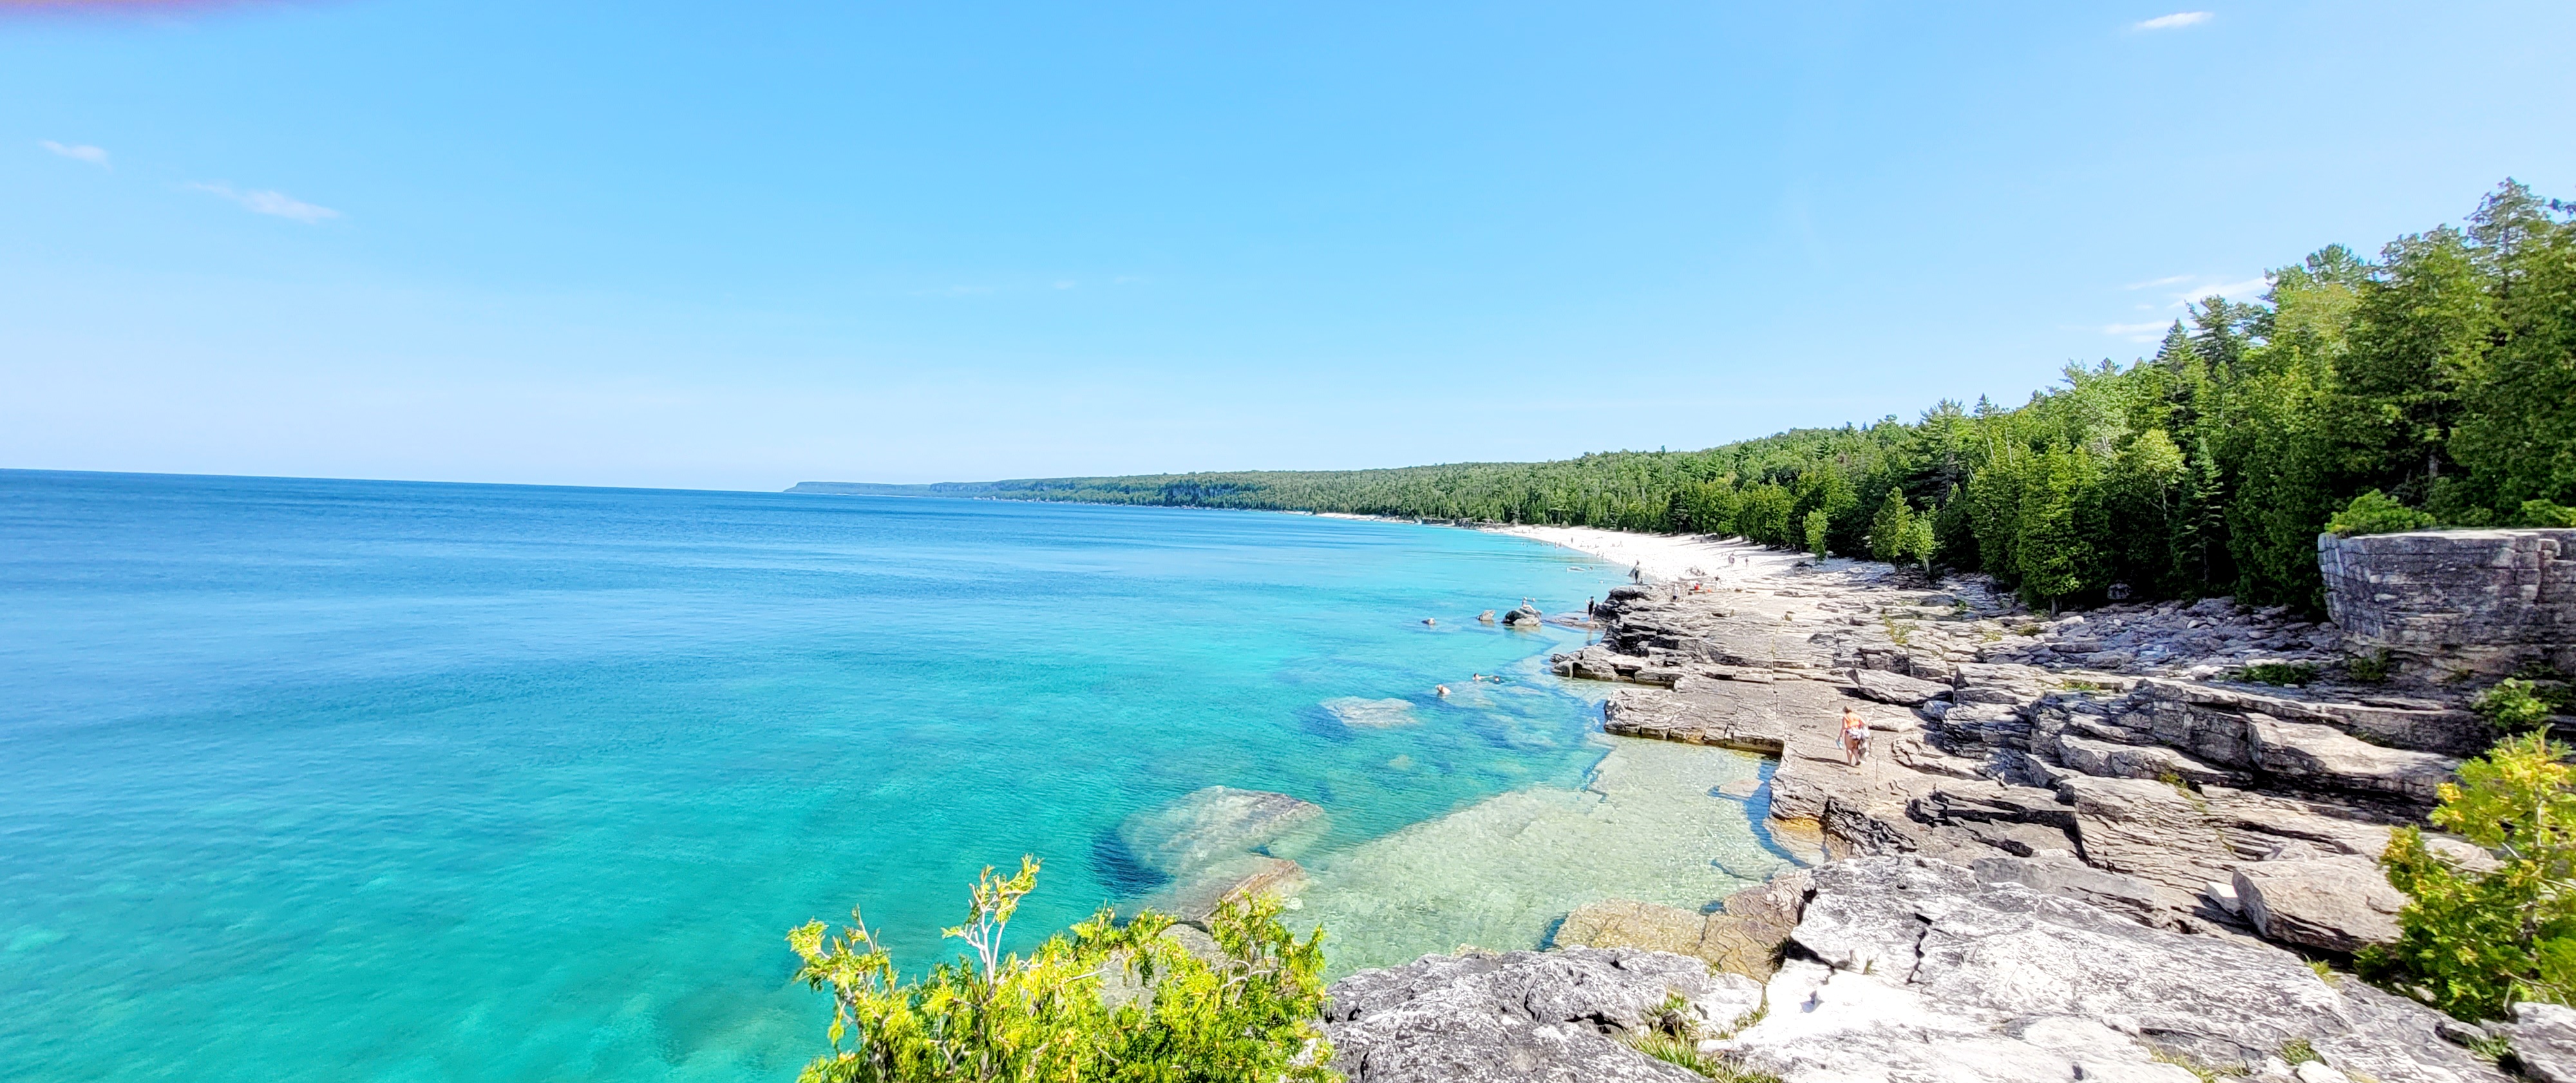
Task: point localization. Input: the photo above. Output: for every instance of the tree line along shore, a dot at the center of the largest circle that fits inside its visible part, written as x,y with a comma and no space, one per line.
2432,385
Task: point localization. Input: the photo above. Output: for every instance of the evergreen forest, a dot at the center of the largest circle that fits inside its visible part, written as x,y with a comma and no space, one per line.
2431,385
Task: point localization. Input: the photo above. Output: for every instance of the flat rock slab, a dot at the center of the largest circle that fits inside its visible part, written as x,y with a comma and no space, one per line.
1795,720
1627,923
1743,938
1918,960
2341,903
2320,755
2150,830
1895,688
1524,1015
2127,896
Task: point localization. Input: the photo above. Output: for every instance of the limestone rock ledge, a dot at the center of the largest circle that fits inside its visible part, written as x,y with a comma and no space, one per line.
2544,1041
1524,1015
1907,969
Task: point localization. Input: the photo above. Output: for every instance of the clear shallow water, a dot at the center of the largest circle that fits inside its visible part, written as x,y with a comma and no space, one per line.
344,780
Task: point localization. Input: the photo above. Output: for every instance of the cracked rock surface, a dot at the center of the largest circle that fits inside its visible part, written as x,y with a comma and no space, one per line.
2111,741
1909,970
1547,1016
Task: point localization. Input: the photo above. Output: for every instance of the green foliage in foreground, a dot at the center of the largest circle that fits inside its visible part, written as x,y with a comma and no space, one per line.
2473,943
2440,376
1105,1004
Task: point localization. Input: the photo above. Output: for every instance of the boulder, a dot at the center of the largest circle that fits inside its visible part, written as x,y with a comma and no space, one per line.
2485,599
1896,688
1523,1015
2544,1040
2340,903
1527,615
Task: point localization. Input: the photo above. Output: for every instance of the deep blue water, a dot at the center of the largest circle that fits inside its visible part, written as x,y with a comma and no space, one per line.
332,780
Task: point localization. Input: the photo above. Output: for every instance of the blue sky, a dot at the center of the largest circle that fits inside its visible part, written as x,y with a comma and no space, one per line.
740,245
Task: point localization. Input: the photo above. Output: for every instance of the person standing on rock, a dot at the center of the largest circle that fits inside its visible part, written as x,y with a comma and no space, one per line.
1855,736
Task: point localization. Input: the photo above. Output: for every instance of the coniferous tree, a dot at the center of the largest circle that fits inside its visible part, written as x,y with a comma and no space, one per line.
2442,375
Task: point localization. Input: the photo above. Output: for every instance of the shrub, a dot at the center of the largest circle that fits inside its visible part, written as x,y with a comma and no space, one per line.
1672,1036
2545,514
2472,943
2374,513
1119,1004
2281,673
2512,704
2368,668
1815,526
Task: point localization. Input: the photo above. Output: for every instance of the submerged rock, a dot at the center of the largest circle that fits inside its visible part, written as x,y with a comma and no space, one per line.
1627,923
1205,827
1742,938
1371,714
1196,897
1502,871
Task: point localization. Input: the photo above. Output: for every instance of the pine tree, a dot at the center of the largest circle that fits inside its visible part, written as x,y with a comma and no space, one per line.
2054,555
1890,529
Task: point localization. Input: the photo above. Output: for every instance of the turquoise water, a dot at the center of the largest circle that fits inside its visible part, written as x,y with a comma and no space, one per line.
307,780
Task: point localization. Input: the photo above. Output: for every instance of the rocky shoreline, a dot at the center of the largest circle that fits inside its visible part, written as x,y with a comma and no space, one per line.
2082,847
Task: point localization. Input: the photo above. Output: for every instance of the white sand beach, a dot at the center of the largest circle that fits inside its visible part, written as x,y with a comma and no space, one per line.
1666,557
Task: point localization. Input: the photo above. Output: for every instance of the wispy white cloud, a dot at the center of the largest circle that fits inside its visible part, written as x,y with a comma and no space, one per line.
265,201
79,152
2234,291
2175,21
2181,291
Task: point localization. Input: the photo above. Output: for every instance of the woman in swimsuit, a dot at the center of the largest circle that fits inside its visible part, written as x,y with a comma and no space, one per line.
1855,736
